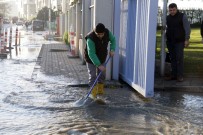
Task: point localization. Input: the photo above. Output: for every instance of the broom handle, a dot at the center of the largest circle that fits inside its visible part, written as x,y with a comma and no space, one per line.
97,79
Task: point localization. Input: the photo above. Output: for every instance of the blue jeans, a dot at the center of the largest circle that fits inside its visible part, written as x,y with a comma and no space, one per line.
176,51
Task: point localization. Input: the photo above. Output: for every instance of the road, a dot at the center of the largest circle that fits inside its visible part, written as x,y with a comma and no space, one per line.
45,105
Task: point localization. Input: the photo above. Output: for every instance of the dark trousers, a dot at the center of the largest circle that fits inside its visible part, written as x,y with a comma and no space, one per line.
176,51
93,71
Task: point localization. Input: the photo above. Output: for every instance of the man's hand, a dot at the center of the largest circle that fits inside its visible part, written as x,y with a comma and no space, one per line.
187,43
102,68
111,53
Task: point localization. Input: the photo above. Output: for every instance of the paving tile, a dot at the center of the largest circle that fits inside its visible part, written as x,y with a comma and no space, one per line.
53,60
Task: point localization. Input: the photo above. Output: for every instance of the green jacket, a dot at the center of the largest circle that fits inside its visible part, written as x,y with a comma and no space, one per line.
96,49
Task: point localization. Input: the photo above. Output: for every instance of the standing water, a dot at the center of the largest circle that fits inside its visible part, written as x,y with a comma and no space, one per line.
45,105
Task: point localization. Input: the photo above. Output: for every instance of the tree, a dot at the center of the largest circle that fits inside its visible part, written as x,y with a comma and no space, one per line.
4,9
194,15
43,14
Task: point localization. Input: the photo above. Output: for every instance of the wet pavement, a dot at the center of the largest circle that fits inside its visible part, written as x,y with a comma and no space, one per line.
36,98
193,81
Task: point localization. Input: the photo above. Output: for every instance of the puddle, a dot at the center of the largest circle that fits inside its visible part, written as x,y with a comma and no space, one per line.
32,102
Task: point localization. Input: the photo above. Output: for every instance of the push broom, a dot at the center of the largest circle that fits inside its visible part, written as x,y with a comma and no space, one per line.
84,100
96,79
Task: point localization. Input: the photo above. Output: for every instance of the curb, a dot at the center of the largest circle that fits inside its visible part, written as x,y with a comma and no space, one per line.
191,89
108,84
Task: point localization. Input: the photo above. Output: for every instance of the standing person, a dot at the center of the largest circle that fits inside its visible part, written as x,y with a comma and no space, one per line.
178,35
26,25
95,54
201,30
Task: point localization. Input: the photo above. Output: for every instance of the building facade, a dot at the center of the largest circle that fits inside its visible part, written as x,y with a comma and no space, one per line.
27,9
133,22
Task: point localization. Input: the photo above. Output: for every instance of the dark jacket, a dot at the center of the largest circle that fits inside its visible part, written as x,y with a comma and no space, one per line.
175,30
100,46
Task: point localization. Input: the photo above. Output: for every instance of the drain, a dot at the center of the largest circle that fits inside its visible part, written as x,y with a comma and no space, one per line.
78,85
58,50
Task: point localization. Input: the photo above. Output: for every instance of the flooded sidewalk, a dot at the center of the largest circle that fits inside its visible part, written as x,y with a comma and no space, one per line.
35,98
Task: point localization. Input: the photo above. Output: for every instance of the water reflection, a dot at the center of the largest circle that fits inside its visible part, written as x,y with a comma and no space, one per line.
35,103
52,102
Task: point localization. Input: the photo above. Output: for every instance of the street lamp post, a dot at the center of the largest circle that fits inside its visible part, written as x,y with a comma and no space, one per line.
57,21
44,18
49,17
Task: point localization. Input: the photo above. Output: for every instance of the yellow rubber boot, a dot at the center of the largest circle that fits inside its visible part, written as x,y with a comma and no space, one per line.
100,88
94,92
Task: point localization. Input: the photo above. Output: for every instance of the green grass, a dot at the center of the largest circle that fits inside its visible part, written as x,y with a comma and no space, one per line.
193,55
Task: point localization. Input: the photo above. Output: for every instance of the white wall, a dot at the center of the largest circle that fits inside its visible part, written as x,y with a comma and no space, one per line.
116,30
86,25
104,10
62,24
103,13
78,26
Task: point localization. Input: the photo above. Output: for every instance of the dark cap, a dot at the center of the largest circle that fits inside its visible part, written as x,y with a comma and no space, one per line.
100,28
